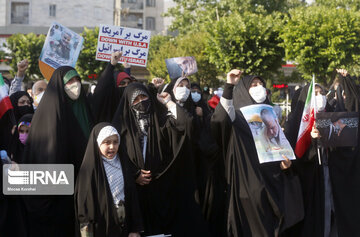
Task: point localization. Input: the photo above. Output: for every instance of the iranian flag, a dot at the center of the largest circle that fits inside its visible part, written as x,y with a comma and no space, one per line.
5,103
307,121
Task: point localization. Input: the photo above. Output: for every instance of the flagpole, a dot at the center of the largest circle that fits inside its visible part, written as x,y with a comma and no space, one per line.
315,112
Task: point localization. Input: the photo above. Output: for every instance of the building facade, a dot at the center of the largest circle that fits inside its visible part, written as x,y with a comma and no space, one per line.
26,16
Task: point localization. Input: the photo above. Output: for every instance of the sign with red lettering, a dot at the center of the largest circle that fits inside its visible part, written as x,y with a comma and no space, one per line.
133,43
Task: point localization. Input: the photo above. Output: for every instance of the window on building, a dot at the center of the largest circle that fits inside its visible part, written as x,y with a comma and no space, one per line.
131,1
150,23
19,13
150,3
52,10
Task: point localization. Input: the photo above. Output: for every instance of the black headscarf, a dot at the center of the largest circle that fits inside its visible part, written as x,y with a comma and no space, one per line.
126,119
56,137
241,92
17,148
107,95
167,202
188,105
93,199
348,87
201,103
20,111
344,166
253,188
57,134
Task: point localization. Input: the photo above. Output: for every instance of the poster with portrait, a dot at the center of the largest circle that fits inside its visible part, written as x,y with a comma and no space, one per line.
338,129
181,66
62,47
268,136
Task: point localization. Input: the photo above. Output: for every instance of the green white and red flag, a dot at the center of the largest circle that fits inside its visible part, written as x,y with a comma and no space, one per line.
307,121
5,103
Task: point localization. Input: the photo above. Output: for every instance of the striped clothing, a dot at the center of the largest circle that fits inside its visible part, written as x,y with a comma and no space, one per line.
115,178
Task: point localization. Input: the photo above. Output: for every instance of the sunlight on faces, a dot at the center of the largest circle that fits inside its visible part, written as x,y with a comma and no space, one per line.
139,98
256,82
109,147
24,101
184,83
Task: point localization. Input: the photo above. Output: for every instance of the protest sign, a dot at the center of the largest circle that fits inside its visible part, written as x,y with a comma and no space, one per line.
268,136
133,43
61,48
338,129
181,67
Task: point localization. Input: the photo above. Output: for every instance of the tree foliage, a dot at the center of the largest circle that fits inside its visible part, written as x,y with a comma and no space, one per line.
192,44
320,39
25,47
247,41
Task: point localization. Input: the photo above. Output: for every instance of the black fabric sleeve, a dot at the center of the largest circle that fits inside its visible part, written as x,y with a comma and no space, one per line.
221,126
228,91
104,94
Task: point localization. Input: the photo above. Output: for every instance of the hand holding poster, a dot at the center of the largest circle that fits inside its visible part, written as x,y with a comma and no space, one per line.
268,136
181,66
133,43
62,47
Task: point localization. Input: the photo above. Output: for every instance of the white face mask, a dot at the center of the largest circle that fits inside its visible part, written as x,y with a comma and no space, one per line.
320,102
38,97
182,93
258,93
195,96
73,90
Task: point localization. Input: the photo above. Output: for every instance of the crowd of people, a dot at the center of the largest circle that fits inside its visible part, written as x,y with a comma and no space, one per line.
168,159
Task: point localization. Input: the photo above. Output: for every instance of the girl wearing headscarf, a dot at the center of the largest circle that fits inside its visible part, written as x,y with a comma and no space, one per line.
22,103
105,194
58,135
262,199
153,138
19,138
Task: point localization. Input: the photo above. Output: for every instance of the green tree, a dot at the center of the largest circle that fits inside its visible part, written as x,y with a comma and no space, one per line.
346,4
247,41
25,46
192,15
320,39
192,44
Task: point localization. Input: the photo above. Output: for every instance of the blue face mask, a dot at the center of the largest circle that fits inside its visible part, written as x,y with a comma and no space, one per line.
195,96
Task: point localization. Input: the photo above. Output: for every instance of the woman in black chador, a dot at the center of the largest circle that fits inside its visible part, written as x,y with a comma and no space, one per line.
262,199
59,132
153,135
105,194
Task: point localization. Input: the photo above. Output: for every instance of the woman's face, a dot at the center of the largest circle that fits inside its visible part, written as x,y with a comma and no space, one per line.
73,80
24,101
184,83
256,82
109,147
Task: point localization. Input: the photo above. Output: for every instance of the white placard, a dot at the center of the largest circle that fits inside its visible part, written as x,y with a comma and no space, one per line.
133,43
